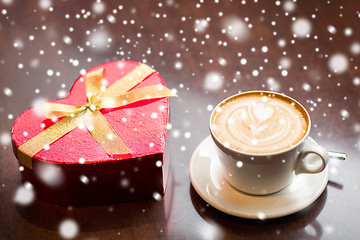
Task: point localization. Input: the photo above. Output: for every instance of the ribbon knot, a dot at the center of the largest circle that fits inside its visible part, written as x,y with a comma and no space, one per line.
90,106
119,94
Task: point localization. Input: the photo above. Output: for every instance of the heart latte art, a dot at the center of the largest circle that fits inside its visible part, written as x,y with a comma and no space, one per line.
259,123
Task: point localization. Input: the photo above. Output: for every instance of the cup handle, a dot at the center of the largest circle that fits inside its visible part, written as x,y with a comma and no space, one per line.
311,147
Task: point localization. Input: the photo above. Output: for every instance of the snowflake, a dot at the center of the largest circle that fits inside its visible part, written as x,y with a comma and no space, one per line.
68,229
338,63
301,28
213,81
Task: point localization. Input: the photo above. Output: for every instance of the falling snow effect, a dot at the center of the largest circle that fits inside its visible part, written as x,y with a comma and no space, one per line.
67,40
306,87
289,6
124,183
19,44
331,29
301,28
239,164
84,179
45,4
310,230
157,196
213,81
68,229
344,113
111,18
273,85
24,194
37,105
348,32
247,63
5,139
222,61
50,175
7,2
285,63
284,73
98,40
281,43
8,92
98,7
201,25
178,65
356,81
338,63
235,28
355,48
62,94
209,231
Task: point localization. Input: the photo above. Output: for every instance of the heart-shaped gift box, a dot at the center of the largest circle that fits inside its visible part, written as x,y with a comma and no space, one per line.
73,165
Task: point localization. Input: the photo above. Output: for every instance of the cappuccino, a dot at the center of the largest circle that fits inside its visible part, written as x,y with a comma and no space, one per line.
259,122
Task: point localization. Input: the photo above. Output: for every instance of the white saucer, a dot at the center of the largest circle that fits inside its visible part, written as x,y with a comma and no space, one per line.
207,179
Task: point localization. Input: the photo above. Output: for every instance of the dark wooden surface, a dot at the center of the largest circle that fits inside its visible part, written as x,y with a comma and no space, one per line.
72,35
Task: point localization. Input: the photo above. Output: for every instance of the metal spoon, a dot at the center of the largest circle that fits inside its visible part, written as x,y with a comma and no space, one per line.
338,155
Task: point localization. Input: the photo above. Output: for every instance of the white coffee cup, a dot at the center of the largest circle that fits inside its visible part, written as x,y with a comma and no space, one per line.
256,172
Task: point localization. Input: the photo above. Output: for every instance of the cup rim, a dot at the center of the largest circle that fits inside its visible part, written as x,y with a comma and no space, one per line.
234,151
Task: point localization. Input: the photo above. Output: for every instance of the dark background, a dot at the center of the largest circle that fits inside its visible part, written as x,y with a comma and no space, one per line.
45,45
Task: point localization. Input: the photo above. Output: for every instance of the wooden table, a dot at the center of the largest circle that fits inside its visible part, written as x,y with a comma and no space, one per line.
206,50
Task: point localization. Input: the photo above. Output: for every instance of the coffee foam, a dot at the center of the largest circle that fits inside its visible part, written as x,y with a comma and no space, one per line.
259,123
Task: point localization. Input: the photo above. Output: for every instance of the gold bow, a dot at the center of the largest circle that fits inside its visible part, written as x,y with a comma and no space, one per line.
99,97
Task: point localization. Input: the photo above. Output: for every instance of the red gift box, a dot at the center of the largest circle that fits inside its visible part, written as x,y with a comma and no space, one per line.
77,168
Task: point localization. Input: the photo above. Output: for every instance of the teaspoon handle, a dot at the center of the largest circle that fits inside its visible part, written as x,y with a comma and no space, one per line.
338,155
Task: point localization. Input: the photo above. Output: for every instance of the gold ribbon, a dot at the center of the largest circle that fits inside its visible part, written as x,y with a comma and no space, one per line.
99,97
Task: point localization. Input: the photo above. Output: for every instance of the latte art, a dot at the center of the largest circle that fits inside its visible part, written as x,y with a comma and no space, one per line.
259,123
